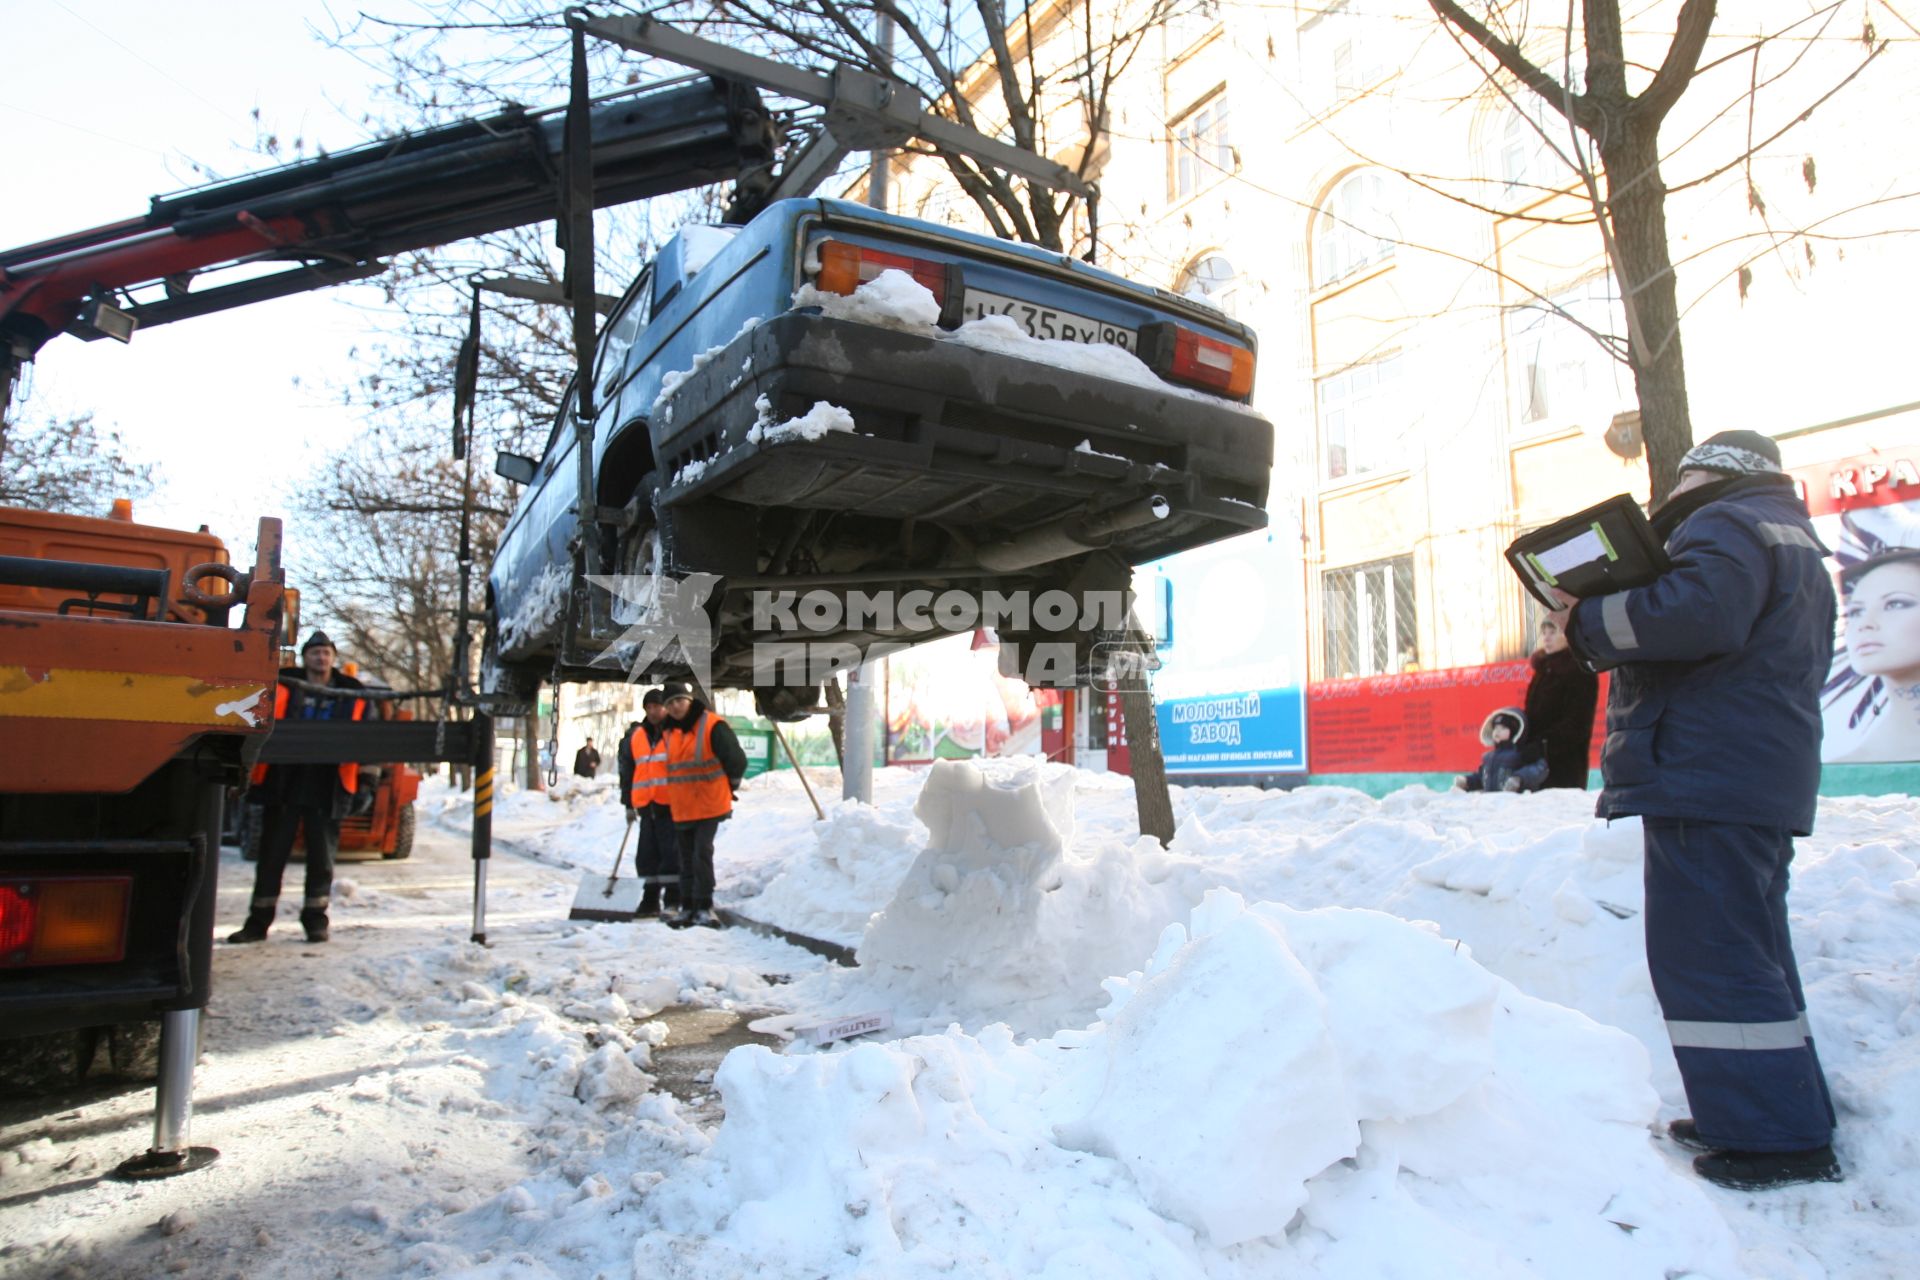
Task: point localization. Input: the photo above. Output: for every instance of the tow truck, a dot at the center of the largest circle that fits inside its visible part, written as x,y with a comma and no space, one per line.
110,846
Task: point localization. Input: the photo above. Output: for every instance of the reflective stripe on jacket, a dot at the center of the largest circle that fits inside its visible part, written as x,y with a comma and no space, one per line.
697,785
349,773
649,769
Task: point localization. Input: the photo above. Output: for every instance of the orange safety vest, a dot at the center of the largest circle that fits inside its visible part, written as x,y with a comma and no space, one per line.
649,769
349,773
696,783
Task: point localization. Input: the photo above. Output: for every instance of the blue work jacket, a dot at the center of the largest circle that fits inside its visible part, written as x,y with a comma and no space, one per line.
1717,665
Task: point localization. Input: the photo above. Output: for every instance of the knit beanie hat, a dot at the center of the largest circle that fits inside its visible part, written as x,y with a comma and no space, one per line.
652,697
315,641
1734,453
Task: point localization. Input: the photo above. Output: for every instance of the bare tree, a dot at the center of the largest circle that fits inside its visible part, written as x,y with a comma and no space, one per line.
1616,153
69,465
974,63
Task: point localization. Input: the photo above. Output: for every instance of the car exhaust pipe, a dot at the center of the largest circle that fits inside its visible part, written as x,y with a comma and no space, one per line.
1071,536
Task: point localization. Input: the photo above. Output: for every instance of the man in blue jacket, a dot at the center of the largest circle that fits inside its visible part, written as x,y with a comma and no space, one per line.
1713,740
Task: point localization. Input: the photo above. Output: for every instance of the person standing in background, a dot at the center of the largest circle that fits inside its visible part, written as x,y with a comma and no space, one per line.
643,790
704,768
1561,698
307,799
586,761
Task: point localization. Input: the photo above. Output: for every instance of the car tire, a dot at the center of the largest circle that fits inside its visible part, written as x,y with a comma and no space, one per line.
786,704
403,835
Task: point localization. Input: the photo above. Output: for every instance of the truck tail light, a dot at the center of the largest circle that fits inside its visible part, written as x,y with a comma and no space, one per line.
64,920
1179,354
845,267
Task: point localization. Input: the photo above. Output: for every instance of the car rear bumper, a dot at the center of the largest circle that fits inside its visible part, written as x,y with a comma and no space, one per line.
982,439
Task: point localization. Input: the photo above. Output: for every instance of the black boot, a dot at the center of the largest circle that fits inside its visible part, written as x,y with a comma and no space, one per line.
255,929
649,901
1758,1170
314,921
1686,1135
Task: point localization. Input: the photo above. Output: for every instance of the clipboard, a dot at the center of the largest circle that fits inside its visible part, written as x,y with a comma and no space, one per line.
1608,547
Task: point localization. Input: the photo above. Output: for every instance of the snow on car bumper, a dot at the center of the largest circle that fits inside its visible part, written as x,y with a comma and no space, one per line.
945,431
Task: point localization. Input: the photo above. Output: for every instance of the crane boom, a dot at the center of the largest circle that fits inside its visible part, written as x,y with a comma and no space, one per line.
336,217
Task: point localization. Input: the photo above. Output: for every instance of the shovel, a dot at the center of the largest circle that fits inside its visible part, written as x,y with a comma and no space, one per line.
612,898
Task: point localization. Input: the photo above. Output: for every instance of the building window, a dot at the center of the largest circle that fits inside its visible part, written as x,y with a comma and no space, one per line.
1562,374
1213,280
1341,52
1201,152
1369,619
1354,228
1360,421
1188,24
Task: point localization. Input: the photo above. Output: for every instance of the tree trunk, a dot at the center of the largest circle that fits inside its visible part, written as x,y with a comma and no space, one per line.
1152,801
1636,201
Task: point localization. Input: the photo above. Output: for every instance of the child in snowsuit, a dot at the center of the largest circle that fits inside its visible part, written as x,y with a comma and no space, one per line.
1510,763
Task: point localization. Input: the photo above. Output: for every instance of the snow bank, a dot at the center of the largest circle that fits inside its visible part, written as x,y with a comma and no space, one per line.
1328,1093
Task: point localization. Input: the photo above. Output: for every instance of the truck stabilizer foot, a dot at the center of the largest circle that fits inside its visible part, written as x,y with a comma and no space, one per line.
165,1164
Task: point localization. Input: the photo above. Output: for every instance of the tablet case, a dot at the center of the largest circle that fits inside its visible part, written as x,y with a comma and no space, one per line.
1608,547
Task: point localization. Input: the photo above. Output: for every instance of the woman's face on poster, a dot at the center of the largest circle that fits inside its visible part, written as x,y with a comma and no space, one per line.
1883,622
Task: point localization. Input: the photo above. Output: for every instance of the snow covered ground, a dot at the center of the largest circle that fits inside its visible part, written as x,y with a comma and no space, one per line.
1322,1035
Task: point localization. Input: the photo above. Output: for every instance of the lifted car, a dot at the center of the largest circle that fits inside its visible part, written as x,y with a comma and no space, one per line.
765,419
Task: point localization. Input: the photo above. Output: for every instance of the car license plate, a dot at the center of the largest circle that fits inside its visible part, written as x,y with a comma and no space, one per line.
1044,322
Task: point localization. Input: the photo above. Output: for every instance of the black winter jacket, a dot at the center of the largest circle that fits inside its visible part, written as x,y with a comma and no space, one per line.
1714,709
1560,702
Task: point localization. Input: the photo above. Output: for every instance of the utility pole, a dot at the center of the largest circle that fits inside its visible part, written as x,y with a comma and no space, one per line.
856,760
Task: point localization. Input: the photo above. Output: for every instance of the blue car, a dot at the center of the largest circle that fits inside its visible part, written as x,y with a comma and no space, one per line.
779,409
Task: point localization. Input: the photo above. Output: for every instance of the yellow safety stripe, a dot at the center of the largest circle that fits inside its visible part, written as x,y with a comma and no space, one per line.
69,693
483,793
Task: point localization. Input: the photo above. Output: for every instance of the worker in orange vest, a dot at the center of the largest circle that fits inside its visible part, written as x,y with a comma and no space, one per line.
643,790
704,768
303,797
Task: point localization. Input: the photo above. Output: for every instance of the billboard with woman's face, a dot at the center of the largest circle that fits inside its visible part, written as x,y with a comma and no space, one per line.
1867,511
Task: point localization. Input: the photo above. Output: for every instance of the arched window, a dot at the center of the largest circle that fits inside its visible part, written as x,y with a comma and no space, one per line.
1215,281
1527,165
1353,228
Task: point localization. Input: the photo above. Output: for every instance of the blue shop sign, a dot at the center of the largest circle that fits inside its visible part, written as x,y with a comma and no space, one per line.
1261,732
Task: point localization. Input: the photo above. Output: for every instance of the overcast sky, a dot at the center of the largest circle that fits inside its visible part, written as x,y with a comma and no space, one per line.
107,103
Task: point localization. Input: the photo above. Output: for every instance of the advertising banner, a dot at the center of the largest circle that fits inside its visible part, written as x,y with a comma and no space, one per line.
1867,511
1260,732
948,701
1417,722
1226,626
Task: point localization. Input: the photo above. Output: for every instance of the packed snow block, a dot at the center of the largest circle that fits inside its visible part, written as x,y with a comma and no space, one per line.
1225,1091
1388,985
609,1078
976,822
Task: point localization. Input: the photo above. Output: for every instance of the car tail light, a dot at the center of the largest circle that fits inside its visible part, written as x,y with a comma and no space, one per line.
64,920
845,267
1182,355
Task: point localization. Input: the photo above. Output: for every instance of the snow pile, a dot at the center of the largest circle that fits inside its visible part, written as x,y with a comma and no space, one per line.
1327,1093
700,241
852,870
893,300
812,425
998,918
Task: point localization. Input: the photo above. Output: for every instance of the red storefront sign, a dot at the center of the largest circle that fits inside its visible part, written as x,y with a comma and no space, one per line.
1417,722
1849,484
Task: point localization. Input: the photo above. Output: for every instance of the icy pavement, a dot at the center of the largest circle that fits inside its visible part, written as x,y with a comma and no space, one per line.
1323,1035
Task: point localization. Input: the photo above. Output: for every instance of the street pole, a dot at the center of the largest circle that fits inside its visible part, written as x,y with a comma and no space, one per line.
856,762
